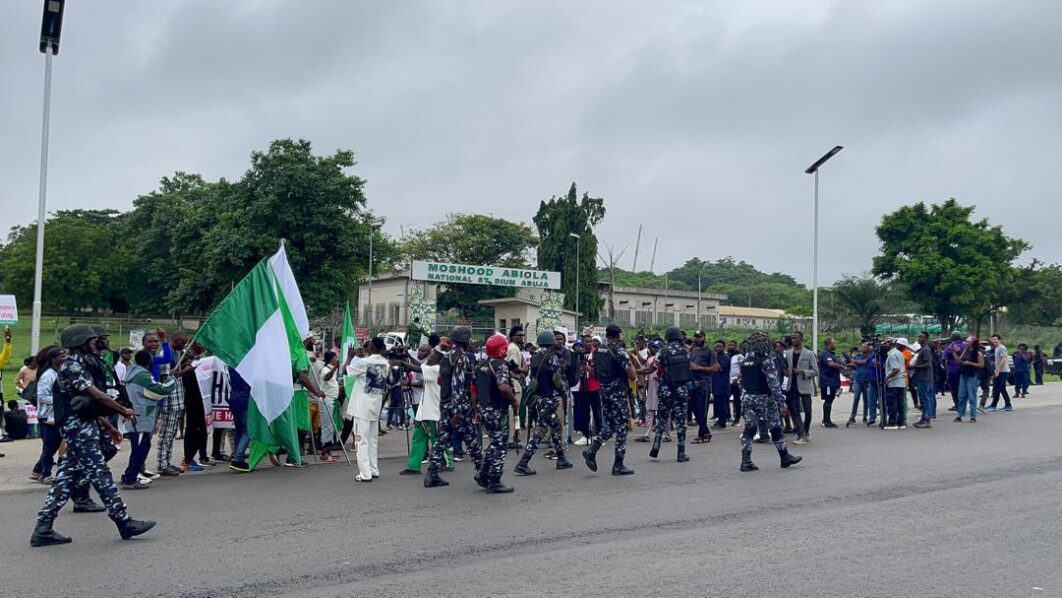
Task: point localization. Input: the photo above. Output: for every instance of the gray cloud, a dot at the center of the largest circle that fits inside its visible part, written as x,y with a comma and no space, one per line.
694,119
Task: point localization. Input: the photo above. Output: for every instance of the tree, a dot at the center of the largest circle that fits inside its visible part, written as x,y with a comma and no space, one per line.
472,239
952,266
556,220
81,269
864,301
1035,296
610,257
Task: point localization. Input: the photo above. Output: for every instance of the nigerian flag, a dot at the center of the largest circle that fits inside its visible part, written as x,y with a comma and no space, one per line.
349,340
253,331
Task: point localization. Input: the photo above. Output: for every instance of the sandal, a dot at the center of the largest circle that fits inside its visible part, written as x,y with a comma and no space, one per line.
642,439
358,478
698,440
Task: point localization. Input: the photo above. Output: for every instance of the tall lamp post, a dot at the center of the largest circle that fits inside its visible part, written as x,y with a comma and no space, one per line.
372,233
699,273
814,169
51,27
578,266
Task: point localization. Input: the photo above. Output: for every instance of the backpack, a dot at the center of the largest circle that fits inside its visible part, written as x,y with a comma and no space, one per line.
29,394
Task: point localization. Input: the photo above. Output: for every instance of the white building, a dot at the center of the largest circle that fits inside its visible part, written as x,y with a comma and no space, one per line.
390,299
755,318
638,307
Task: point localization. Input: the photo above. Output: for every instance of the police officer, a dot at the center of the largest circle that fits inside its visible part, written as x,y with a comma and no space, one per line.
494,396
674,365
763,399
615,372
547,384
456,371
79,407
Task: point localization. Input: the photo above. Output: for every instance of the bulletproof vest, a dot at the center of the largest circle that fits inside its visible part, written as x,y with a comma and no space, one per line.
487,384
446,378
675,361
544,385
607,367
753,379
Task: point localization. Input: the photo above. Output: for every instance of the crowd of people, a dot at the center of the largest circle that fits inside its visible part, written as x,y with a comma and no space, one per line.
453,393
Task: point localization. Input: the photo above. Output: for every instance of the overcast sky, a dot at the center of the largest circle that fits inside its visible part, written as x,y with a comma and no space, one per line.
695,119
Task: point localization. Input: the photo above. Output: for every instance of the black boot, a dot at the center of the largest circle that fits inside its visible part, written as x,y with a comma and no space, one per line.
746,461
788,459
432,480
563,462
618,468
524,466
590,455
83,503
494,486
682,458
481,479
43,535
131,528
653,452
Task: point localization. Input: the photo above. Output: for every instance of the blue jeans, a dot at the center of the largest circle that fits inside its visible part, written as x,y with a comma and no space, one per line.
141,445
240,439
927,394
50,441
872,400
1021,381
968,386
860,389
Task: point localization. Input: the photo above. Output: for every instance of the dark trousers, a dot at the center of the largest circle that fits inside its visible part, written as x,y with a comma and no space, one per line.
735,393
893,401
587,404
1038,369
829,393
999,387
699,404
953,386
721,406
50,440
141,446
195,432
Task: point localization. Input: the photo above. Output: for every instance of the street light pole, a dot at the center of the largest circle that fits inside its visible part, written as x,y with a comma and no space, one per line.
814,169
372,233
578,266
51,27
699,273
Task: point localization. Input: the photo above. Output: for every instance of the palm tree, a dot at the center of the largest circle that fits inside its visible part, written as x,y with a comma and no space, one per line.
865,301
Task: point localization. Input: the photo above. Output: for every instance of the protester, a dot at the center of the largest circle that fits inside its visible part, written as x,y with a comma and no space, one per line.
999,376
922,375
370,374
721,386
27,374
805,370
1039,362
895,385
144,393
514,360
830,369
860,382
703,363
587,393
239,402
737,356
5,356
971,364
426,419
1023,359
48,361
329,385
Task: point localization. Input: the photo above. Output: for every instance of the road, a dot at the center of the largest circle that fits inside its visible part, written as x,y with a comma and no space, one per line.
959,510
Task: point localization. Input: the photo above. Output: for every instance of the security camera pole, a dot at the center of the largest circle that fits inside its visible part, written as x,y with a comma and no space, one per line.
51,25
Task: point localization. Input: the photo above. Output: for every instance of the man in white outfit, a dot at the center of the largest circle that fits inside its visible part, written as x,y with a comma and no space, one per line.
370,387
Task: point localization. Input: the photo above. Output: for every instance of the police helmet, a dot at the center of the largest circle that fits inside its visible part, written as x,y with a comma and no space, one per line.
76,335
461,334
673,333
546,338
100,331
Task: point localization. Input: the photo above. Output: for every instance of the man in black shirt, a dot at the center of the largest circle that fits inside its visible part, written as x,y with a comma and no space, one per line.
703,364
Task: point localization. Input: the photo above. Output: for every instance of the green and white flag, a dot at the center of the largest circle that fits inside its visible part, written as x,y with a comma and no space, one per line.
349,340
253,331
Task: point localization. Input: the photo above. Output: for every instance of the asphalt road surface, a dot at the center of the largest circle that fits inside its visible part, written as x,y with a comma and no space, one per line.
959,510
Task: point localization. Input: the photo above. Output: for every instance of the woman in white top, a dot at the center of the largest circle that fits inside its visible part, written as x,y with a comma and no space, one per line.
47,361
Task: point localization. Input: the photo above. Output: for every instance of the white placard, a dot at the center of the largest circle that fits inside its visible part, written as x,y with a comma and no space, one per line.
8,310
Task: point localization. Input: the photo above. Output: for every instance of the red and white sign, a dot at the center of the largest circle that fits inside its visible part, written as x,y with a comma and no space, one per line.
362,334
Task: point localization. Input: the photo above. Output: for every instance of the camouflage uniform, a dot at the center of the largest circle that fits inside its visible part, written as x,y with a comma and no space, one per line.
84,456
458,404
494,416
615,405
759,373
105,378
674,399
546,400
